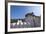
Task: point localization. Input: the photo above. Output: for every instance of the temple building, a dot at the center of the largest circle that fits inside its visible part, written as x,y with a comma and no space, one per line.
33,20
30,20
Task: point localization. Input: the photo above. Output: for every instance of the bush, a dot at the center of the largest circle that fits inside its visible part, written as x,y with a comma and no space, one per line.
13,20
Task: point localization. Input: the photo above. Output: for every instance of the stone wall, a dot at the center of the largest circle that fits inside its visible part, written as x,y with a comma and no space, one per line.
34,21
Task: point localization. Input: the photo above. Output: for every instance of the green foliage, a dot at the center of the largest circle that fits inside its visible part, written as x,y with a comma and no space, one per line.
13,20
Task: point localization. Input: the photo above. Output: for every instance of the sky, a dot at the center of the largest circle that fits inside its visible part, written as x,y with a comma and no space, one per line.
18,12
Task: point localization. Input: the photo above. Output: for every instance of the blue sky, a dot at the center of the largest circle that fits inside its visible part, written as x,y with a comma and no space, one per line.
18,12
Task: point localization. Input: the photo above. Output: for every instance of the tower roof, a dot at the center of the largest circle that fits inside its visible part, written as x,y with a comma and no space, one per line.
29,14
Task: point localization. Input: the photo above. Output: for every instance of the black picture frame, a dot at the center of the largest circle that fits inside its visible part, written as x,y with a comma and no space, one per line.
6,4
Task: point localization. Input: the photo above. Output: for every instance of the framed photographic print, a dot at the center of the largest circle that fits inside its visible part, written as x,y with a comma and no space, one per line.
25,16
